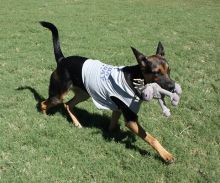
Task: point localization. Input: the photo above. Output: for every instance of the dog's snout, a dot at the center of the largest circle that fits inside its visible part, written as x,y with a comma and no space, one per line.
171,86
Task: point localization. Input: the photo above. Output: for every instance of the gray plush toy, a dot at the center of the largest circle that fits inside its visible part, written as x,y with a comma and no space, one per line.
153,90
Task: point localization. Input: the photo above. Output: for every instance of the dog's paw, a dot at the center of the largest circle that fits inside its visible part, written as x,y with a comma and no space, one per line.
168,158
43,107
78,125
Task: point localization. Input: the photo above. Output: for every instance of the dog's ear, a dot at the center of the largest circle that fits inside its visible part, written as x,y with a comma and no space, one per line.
160,49
141,58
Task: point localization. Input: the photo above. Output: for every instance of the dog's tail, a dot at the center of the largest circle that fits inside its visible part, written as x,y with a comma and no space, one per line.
56,43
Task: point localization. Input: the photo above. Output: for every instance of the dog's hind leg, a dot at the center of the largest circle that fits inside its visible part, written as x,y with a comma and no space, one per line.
114,120
80,96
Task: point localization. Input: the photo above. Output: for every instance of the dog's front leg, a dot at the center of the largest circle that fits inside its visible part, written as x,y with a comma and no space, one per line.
114,120
136,128
80,96
72,116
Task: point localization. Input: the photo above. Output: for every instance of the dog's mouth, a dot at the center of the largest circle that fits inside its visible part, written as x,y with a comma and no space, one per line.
168,86
174,87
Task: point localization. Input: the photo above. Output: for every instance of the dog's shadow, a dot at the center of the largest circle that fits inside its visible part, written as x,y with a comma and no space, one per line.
92,121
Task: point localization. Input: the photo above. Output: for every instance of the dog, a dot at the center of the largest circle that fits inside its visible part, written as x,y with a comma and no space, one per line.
110,87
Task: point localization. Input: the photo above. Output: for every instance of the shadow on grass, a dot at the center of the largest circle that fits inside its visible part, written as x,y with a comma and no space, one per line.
89,120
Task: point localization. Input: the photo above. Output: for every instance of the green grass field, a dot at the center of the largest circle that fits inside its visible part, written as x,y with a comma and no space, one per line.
39,148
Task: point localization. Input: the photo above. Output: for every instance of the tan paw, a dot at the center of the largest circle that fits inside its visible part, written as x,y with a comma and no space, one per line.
43,107
168,158
78,125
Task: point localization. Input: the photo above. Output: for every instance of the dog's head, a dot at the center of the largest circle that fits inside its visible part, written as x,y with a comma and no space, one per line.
155,68
58,87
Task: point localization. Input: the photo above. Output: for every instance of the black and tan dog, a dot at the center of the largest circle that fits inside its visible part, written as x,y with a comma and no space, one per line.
68,74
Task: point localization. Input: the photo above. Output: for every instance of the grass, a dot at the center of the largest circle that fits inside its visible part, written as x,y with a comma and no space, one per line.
39,148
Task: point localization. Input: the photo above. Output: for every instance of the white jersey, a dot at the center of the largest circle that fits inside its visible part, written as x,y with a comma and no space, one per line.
103,81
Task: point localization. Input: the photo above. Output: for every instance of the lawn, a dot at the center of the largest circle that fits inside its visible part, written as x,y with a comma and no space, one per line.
40,148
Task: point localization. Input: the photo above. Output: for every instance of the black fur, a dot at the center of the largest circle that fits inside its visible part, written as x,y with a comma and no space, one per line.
69,69
56,43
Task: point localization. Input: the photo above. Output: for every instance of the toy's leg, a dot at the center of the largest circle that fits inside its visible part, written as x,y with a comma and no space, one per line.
165,92
173,96
178,89
165,109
